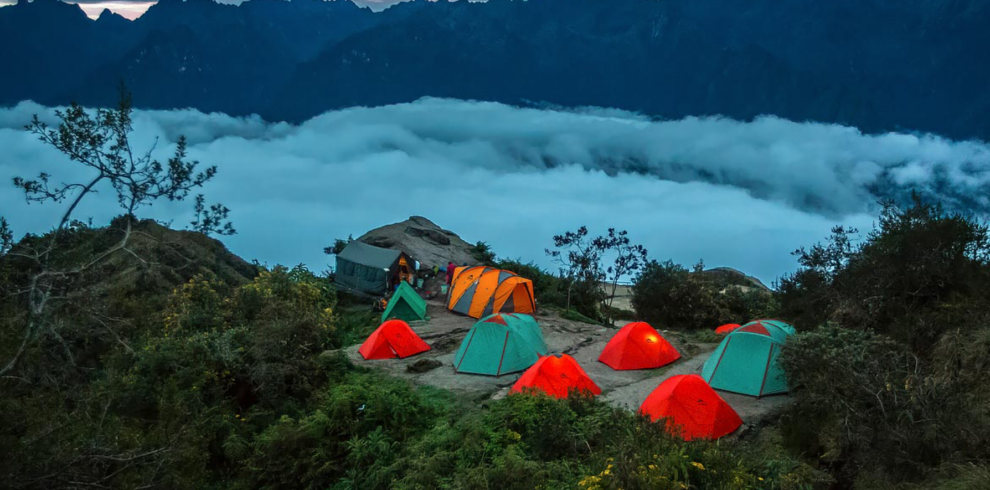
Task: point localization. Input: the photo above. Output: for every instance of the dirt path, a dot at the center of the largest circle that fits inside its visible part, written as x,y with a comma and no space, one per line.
444,332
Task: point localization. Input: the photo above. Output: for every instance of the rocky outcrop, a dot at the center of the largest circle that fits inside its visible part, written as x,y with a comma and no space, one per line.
423,240
727,277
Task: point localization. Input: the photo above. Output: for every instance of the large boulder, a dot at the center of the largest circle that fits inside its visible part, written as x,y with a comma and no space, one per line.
423,240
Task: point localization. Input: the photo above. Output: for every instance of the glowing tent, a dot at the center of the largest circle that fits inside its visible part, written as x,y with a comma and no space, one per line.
692,408
638,346
556,376
481,291
392,339
500,344
746,360
728,327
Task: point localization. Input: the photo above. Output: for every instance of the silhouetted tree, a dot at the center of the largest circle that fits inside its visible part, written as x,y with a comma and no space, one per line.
99,141
580,259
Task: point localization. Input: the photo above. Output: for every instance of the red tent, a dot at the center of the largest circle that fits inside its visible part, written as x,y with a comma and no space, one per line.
392,339
728,327
693,407
556,376
638,346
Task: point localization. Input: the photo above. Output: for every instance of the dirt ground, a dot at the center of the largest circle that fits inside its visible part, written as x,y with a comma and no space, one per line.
444,331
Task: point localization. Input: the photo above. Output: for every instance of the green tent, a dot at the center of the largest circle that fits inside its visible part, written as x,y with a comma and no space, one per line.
500,344
370,269
747,360
406,304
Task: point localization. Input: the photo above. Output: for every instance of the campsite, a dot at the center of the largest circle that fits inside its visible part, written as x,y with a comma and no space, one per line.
445,331
483,333
388,372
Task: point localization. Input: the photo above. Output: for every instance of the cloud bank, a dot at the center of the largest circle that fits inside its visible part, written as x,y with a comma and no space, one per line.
737,194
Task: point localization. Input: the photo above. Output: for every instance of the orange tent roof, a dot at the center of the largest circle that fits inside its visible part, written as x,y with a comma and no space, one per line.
638,346
481,291
692,408
392,339
728,327
556,376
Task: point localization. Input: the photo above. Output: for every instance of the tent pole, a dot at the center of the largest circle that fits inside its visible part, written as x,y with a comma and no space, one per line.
466,349
498,372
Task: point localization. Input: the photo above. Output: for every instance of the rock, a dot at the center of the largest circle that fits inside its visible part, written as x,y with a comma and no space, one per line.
423,240
434,236
423,365
445,343
729,277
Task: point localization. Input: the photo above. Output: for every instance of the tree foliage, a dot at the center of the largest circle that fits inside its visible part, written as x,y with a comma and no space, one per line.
670,295
588,279
886,390
920,272
338,246
99,142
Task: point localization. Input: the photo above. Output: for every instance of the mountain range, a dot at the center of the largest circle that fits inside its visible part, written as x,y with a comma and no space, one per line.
880,65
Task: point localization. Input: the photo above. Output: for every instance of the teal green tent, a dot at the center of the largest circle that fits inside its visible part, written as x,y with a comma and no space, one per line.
746,360
406,304
500,344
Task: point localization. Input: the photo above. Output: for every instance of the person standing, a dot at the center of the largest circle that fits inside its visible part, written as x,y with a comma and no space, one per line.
450,272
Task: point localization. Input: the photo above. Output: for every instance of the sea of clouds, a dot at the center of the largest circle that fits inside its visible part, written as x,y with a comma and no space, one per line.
736,194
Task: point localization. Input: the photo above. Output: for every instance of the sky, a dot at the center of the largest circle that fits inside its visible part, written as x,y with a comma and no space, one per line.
132,9
735,194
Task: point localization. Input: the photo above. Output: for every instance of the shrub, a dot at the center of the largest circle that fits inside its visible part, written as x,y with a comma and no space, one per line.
667,294
863,400
919,273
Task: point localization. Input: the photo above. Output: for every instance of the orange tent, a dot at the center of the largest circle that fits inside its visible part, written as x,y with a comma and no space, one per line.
556,376
481,291
392,339
692,408
728,327
638,346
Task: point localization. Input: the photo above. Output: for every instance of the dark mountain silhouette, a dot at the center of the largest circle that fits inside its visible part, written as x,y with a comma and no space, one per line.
876,64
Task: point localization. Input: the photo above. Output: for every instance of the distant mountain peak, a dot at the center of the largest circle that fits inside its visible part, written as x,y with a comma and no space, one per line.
108,17
55,8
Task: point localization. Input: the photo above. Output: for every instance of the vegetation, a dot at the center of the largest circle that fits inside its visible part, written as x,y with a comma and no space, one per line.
892,388
591,284
483,253
668,294
338,246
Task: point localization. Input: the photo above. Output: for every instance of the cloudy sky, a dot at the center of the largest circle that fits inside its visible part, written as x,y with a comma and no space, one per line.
735,194
133,9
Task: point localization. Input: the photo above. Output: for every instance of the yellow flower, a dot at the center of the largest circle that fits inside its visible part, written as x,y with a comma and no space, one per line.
759,478
698,465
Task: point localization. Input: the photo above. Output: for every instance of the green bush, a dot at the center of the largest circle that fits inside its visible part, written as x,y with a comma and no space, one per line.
919,273
863,400
668,295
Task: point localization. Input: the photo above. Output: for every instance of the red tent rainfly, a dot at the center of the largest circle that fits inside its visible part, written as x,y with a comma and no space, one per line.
727,328
638,346
556,376
692,408
392,339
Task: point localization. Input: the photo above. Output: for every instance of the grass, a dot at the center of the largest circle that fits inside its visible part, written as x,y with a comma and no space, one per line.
356,323
704,336
574,316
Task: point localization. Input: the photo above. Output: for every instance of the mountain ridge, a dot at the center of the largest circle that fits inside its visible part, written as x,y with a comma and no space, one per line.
879,65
